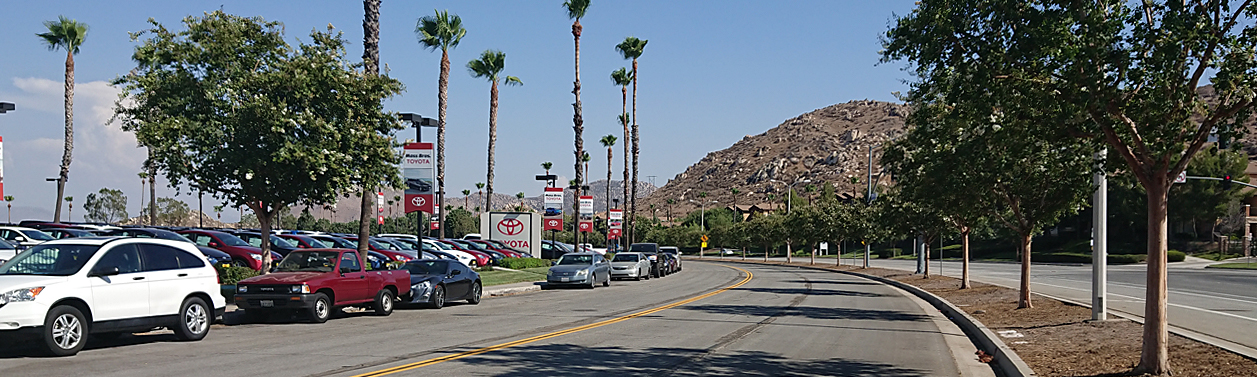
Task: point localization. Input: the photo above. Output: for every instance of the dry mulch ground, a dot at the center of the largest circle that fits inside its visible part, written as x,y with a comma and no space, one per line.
1057,339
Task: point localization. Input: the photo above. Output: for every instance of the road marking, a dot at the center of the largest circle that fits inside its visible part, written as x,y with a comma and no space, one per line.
555,334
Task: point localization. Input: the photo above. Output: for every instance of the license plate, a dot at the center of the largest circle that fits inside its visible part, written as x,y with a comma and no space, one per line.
268,303
563,280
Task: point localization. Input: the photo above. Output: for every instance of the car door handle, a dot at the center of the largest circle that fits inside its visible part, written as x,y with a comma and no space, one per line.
362,277
138,278
183,275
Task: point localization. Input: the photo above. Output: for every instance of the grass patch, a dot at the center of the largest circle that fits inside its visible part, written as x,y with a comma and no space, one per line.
1214,256
499,277
1235,266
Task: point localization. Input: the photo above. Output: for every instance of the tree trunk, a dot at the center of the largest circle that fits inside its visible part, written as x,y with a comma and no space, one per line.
264,222
493,138
578,126
371,61
141,215
609,161
1024,301
627,142
1154,358
69,131
443,84
636,152
964,263
152,196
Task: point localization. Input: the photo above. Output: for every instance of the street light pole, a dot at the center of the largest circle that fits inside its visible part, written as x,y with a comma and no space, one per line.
419,122
1099,239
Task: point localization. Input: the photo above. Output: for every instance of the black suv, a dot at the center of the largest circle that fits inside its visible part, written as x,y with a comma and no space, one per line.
651,249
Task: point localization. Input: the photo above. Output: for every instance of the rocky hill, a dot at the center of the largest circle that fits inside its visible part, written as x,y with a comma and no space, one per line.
828,146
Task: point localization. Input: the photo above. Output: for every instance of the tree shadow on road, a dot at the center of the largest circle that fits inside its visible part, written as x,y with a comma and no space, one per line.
573,360
812,292
813,312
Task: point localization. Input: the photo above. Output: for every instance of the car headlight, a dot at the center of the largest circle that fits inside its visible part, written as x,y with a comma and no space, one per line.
256,257
582,272
300,288
20,295
400,257
242,289
422,286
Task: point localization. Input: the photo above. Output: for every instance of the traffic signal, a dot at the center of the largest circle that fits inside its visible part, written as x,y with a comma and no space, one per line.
1226,182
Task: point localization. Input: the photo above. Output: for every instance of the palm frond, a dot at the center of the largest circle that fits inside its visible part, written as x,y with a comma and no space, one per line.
64,33
576,8
622,77
440,31
631,48
513,81
608,141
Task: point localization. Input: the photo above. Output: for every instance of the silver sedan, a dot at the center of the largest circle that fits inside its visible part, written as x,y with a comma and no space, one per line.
579,269
630,266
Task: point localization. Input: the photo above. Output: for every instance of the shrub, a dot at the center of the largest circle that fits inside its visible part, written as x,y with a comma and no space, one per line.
1126,258
1176,256
1062,258
522,263
230,275
887,253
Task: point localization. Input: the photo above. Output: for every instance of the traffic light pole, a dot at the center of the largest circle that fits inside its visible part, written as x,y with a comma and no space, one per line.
1224,180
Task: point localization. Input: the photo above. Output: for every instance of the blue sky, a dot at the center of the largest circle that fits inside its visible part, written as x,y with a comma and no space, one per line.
713,72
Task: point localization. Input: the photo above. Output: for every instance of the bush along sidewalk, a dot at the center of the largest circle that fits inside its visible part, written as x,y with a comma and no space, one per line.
228,277
522,263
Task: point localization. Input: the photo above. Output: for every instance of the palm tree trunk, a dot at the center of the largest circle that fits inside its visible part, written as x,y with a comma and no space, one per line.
141,216
69,131
152,196
627,141
371,60
443,84
609,149
636,152
578,125
493,137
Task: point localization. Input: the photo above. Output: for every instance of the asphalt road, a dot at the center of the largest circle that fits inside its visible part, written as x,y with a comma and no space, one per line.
1219,304
780,322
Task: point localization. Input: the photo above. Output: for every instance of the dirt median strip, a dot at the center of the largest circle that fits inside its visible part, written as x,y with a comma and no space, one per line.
1055,338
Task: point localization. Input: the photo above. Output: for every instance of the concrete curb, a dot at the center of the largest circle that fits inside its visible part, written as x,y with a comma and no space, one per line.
494,292
1009,363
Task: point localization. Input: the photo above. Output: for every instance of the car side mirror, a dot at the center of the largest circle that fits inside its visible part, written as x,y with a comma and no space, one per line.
456,273
554,263
213,244
19,239
104,271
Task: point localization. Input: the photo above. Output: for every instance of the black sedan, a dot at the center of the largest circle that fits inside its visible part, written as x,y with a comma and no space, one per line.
433,282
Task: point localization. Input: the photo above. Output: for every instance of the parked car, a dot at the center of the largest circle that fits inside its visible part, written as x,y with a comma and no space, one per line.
579,269
552,250
469,259
435,282
318,281
503,246
401,236
495,255
651,250
669,263
508,252
278,244
7,251
482,259
215,256
674,251
304,241
60,233
378,247
630,266
24,237
67,291
242,254
335,242
472,236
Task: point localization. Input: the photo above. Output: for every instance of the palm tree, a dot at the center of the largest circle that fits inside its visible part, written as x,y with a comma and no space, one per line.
371,66
488,67
670,202
480,192
736,211
441,31
520,196
622,78
575,11
584,157
143,177
547,165
8,199
632,48
466,197
69,202
608,141
65,34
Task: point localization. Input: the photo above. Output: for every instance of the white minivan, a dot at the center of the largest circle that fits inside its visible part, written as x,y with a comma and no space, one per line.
65,290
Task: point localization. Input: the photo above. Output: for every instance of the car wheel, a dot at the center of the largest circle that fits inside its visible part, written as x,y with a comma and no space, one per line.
65,330
322,309
384,302
194,320
438,297
607,283
593,280
476,291
637,275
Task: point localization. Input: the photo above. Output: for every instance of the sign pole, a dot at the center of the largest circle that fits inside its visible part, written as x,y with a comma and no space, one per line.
1099,243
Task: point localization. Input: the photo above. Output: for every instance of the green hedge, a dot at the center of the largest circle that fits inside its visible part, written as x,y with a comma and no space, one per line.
1176,256
1086,258
232,274
1126,258
522,263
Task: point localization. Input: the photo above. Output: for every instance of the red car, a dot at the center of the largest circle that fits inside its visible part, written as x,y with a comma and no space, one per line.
242,254
488,245
319,281
377,247
482,259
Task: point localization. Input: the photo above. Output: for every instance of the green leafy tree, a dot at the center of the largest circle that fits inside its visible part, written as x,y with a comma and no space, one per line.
489,67
228,101
631,49
480,192
466,199
547,165
68,35
1124,73
172,212
461,223
106,206
622,77
441,31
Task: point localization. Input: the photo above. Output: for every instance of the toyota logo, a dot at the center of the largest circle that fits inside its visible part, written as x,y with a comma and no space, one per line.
584,226
510,227
554,223
418,201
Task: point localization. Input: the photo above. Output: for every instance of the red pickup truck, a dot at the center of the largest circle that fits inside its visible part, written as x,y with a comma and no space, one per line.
318,281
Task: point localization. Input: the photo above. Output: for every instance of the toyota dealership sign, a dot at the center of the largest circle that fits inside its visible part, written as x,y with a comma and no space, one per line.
519,230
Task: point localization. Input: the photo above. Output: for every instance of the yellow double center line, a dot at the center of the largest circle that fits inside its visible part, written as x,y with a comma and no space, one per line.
555,334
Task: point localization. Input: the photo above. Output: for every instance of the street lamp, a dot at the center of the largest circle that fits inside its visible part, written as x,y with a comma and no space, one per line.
790,192
702,214
418,121
7,107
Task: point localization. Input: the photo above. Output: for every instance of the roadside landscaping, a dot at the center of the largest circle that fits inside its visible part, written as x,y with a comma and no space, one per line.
1055,338
500,276
1235,266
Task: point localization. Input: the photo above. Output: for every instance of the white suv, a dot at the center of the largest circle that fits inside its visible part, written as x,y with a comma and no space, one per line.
63,290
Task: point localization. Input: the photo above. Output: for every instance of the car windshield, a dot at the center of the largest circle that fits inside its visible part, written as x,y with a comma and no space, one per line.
408,244
315,244
625,258
438,245
6,245
388,245
281,242
427,267
576,259
473,246
37,235
308,261
172,236
54,260
231,240
643,247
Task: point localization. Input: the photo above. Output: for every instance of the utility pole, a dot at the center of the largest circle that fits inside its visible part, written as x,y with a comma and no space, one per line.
1099,242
